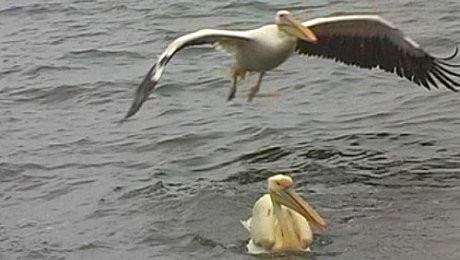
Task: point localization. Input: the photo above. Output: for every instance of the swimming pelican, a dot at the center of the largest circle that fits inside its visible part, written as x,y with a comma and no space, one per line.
280,219
366,41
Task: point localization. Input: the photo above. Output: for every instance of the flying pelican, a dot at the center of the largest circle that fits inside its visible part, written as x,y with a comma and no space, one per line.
366,41
280,220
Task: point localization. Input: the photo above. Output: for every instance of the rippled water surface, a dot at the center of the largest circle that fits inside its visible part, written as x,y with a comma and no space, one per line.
377,156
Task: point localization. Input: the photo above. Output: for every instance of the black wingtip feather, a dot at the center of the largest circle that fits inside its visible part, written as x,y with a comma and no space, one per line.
450,57
448,64
442,78
430,80
142,94
447,71
451,81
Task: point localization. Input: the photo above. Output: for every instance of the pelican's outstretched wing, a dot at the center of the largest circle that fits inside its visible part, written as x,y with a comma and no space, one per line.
368,41
226,39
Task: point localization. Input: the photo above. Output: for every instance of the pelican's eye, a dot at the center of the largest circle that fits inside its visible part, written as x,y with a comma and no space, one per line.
282,17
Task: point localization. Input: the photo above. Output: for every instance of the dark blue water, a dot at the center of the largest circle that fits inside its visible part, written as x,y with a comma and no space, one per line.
376,155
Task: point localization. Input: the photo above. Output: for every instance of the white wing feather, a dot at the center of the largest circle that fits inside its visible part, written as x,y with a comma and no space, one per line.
224,38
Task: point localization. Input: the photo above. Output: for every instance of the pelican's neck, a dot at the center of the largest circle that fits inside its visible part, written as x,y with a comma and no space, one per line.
284,33
276,205
286,238
276,208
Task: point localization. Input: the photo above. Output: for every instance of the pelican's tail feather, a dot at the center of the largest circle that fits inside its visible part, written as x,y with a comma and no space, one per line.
246,224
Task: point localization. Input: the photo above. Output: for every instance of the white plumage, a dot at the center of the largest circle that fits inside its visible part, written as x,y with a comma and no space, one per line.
264,239
279,220
366,41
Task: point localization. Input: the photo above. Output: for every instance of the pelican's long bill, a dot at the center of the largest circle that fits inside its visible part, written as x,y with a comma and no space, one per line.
301,31
289,198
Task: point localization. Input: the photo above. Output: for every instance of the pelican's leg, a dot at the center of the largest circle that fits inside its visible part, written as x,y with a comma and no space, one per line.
253,91
232,92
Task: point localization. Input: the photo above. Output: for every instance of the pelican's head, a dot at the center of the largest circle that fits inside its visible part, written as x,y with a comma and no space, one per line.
293,27
281,191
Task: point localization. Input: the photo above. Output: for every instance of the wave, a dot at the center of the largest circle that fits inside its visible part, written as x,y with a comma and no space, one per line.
38,69
31,9
100,53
